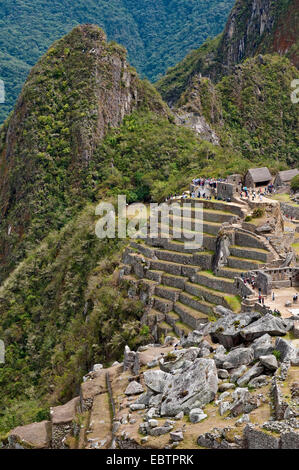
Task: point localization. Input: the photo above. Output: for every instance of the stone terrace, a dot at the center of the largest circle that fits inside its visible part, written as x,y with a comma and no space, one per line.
177,284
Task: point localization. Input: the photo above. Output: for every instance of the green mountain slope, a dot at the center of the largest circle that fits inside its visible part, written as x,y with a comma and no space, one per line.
253,27
81,88
157,34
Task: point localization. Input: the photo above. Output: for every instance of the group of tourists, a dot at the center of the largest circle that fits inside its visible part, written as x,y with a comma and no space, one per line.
252,194
210,182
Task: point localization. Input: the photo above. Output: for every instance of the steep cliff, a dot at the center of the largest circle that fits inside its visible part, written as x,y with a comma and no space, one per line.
257,26
253,27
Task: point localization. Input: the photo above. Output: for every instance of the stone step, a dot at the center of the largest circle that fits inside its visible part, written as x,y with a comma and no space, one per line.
251,253
230,272
213,215
249,240
166,292
173,281
176,244
174,268
174,257
140,247
172,318
193,225
218,283
181,329
194,302
154,317
190,316
154,275
228,207
244,263
201,213
209,295
164,329
170,233
162,305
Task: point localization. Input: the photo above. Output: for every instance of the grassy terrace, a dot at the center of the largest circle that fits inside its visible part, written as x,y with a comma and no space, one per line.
213,276
248,248
284,198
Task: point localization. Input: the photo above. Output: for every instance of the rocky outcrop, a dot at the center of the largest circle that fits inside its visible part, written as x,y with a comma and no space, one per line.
32,436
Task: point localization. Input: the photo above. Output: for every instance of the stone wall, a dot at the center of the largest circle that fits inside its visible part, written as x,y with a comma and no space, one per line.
289,210
226,191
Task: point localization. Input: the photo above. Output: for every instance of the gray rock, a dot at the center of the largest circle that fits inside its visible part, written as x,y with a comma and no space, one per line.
253,372
287,351
137,406
179,415
194,338
159,431
155,380
156,400
274,326
226,386
237,373
153,423
204,352
245,419
197,415
169,340
223,312
260,381
177,436
183,356
223,374
227,330
224,407
153,363
262,346
190,388
145,398
243,402
134,388
97,367
269,362
238,357
144,428
152,413
224,395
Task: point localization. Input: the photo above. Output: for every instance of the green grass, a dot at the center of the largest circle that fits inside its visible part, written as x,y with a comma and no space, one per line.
234,302
285,198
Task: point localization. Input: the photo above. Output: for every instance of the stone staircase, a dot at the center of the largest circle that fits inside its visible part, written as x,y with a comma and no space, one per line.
177,284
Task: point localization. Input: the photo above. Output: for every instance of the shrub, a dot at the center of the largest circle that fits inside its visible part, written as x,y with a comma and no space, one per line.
295,184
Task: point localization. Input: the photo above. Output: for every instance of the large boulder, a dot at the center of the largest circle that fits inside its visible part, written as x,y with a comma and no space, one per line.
269,361
288,352
190,388
177,359
227,330
194,338
134,388
31,436
254,371
235,358
262,346
156,380
274,326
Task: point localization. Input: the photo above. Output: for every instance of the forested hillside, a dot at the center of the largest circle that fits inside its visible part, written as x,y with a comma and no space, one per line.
157,34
